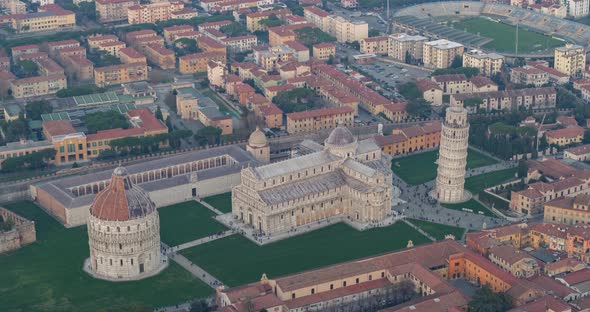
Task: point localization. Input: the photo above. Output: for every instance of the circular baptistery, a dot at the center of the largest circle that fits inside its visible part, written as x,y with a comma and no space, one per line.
123,231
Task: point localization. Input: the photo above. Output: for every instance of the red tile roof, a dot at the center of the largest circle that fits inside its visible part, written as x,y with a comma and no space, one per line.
577,277
571,132
320,112
58,127
317,11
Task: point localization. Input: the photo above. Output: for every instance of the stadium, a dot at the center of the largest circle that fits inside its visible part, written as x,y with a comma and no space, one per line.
491,27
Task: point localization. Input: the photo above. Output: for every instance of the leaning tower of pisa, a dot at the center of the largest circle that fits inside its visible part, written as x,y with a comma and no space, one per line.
452,157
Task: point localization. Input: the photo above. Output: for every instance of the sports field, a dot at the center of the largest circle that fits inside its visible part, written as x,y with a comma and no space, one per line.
505,35
420,168
48,275
235,260
187,221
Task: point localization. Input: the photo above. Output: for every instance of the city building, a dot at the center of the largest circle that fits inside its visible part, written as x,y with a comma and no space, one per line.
343,178
431,91
113,10
515,262
535,98
578,8
152,12
160,56
565,136
570,60
54,20
406,48
197,62
111,47
131,56
271,114
317,119
216,72
441,53
118,74
375,45
38,85
17,51
22,148
529,75
324,51
240,44
568,210
453,83
408,140
488,63
343,29
452,157
278,35
123,231
69,144
170,32
95,41
253,19
579,153
192,105
482,84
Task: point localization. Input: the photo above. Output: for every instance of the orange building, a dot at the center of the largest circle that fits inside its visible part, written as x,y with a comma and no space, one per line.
209,45
130,55
69,144
323,51
96,40
408,140
79,68
118,74
170,32
243,92
160,56
197,62
272,115
317,119
280,34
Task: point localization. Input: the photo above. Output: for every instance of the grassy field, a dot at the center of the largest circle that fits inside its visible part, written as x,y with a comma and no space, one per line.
420,168
187,221
236,260
438,230
221,202
479,182
471,204
504,36
48,275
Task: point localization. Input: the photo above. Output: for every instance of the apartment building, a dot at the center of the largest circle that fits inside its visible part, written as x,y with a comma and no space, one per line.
528,75
113,10
37,86
565,136
317,119
160,56
344,30
570,60
69,144
17,51
408,140
111,47
375,45
488,63
317,16
568,210
577,8
269,58
453,83
55,46
280,34
130,56
192,105
79,68
184,13
406,48
253,19
170,32
323,51
197,62
240,43
534,98
216,72
152,12
95,41
441,53
208,44
118,74
579,153
517,263
431,91
47,67
55,20
271,114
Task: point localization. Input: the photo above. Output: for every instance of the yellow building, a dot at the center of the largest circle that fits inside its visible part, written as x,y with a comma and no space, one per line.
95,41
488,63
565,136
153,12
43,21
130,55
407,140
69,144
317,119
118,74
197,62
113,10
400,45
568,210
170,32
346,30
111,47
441,53
375,45
37,86
253,19
160,56
323,51
570,60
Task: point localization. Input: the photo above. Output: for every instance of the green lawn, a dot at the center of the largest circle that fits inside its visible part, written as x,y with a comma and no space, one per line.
187,221
478,183
236,260
420,168
438,230
221,202
48,275
471,204
504,36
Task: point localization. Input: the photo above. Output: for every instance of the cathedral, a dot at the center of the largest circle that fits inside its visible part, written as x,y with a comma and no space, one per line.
343,178
123,231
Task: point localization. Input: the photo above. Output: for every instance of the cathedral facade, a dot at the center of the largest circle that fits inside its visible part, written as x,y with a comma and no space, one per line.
344,178
123,231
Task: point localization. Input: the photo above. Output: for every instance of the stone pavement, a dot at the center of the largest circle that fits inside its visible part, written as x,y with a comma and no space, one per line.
419,230
217,212
419,205
194,269
200,241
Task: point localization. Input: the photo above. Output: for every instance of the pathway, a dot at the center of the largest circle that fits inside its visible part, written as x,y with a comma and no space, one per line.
194,269
419,230
203,240
217,212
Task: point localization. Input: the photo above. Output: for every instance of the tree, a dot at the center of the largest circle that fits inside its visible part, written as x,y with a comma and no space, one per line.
271,21
473,102
485,300
104,120
158,114
36,108
522,168
170,100
296,100
26,68
457,62
175,137
543,144
184,46
234,29
311,36
418,108
410,91
208,136
79,90
467,71
586,136
200,306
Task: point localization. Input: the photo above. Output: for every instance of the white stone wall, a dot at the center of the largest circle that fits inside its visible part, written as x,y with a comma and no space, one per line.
125,249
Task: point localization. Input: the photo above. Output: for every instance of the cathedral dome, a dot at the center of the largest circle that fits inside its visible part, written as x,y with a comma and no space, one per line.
257,138
121,200
340,136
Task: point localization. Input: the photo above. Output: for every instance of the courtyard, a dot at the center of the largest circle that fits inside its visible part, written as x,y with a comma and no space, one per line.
438,230
48,275
221,202
185,222
236,260
420,168
480,182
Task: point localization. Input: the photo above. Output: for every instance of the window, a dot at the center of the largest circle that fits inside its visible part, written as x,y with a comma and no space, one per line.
357,280
331,286
344,284
293,296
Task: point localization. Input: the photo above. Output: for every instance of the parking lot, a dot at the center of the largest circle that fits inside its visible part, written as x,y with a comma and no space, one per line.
389,76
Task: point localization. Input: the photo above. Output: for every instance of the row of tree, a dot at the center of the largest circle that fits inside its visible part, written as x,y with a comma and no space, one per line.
31,161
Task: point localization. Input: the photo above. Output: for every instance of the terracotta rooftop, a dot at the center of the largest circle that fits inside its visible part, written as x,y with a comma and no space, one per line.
325,45
579,150
427,84
296,45
550,167
317,11
58,127
508,254
269,13
271,110
546,303
577,277
480,81
571,132
449,78
320,112
62,43
25,47
131,52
